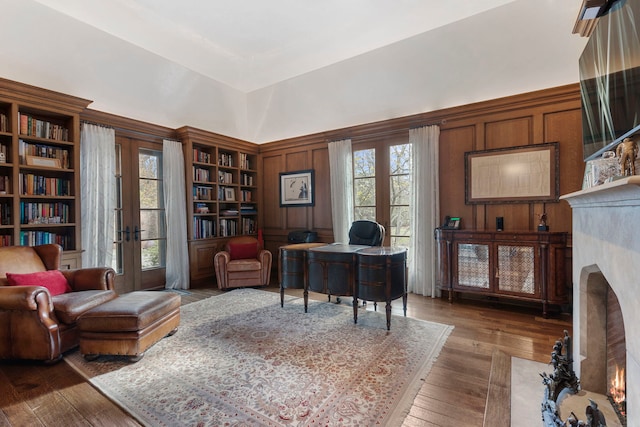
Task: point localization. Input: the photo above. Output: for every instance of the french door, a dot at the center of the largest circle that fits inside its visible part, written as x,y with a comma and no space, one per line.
382,186
139,255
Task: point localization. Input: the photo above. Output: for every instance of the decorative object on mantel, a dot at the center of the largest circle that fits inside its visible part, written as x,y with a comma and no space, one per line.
601,170
542,225
627,152
561,384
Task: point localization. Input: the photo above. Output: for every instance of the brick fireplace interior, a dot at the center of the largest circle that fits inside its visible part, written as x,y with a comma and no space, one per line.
604,368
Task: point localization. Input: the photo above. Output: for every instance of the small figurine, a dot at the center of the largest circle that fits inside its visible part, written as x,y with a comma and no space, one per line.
627,151
542,225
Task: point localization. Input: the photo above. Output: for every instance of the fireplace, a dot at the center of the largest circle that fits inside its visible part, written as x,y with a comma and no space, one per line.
606,291
604,367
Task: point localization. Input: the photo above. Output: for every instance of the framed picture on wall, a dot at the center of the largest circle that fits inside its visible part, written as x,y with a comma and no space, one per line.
297,188
524,174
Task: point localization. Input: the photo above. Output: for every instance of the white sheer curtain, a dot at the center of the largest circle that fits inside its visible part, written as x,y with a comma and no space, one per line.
177,266
425,210
341,167
98,193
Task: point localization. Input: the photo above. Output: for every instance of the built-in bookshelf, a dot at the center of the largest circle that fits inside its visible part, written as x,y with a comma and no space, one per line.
39,168
222,193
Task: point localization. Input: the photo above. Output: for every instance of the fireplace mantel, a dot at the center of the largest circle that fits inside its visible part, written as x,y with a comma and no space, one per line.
622,192
606,244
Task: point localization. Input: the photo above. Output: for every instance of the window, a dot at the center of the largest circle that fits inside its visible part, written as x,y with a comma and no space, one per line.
152,216
364,184
382,187
400,194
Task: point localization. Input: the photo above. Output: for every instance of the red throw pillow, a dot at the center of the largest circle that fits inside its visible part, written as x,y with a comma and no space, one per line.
53,280
243,250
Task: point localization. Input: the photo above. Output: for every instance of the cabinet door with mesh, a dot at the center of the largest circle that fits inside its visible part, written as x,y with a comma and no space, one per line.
516,269
473,265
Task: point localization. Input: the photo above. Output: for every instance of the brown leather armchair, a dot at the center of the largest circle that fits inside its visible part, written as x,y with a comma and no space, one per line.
34,324
242,263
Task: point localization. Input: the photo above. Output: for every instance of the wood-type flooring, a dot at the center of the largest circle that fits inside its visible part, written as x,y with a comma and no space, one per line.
453,394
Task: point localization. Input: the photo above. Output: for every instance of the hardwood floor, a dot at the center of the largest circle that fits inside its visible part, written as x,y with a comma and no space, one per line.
453,394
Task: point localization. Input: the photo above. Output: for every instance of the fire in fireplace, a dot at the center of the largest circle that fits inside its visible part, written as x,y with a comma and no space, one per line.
617,395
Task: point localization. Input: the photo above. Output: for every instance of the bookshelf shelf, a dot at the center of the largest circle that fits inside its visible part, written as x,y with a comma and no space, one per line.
217,187
39,157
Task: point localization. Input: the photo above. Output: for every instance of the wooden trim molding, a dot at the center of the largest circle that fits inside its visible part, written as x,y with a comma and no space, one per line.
44,98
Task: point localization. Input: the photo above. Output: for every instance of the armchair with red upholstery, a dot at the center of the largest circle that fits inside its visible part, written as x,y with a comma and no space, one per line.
242,263
39,304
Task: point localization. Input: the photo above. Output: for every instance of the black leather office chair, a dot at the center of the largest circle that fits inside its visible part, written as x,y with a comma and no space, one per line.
365,232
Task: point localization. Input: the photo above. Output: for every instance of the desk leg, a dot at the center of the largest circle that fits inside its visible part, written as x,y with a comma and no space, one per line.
404,303
305,294
305,285
355,310
388,309
281,295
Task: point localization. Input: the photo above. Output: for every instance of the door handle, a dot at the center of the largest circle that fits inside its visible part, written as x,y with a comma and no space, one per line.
127,233
136,233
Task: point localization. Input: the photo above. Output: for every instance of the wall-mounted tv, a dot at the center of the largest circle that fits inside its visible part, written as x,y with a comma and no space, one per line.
610,79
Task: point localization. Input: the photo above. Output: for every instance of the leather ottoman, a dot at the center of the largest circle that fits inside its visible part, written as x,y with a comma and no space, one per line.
129,325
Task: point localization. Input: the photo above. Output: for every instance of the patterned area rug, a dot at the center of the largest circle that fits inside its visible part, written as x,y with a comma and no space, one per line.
241,359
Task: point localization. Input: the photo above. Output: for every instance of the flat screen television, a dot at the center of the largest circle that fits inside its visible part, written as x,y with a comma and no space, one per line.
610,79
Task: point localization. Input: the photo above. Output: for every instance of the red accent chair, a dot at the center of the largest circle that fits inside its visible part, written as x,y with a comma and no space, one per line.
243,263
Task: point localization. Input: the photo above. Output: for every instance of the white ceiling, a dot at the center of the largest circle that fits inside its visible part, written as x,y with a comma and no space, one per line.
251,44
266,70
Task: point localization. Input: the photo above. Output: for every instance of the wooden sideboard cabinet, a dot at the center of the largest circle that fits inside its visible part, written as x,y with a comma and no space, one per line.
527,266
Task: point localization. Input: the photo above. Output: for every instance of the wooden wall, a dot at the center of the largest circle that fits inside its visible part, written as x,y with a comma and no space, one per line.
551,115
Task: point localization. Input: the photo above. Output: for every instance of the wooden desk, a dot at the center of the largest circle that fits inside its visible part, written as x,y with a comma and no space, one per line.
370,273
382,276
331,270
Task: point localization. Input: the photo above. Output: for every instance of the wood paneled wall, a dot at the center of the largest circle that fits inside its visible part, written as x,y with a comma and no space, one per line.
277,221
551,115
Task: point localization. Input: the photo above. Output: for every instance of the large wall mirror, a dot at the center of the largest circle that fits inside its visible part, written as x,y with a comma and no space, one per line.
524,174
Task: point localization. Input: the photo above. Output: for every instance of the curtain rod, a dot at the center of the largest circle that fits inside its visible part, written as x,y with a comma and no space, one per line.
137,132
387,132
441,122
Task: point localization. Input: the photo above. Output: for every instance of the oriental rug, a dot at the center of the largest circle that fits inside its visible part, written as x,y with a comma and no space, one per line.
241,359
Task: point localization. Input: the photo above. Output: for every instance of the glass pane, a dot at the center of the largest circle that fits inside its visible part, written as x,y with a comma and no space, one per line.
118,232
400,191
151,194
118,237
153,254
400,159
152,224
473,265
364,163
515,269
400,221
365,191
365,213
118,160
149,164
116,263
118,192
404,241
